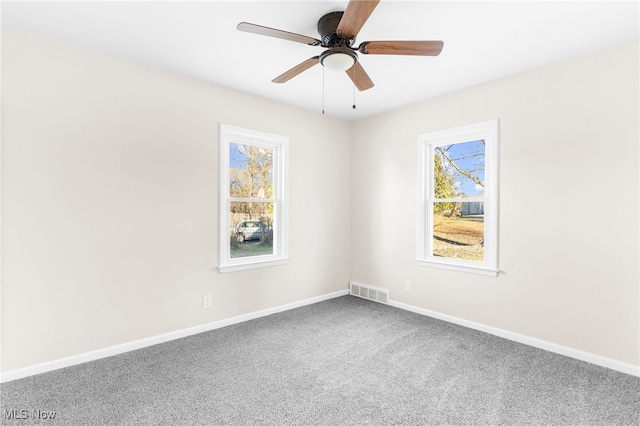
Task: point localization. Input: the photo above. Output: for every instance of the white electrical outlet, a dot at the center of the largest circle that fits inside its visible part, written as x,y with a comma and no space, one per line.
206,301
407,285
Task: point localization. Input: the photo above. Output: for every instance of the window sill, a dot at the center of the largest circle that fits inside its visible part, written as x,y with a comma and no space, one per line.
478,270
252,265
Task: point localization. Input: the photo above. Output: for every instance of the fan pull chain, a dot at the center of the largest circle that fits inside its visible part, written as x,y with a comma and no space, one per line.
354,86
323,90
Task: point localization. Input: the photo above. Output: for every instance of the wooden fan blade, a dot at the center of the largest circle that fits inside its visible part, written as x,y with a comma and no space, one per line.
272,32
288,75
357,13
403,47
359,77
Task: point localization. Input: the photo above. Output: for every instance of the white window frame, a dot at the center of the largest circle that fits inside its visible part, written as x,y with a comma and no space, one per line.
487,131
280,146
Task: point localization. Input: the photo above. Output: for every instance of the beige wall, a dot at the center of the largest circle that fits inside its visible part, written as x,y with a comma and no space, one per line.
110,202
568,205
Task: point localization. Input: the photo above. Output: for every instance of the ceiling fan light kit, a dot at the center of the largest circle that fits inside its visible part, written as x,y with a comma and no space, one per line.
338,58
338,31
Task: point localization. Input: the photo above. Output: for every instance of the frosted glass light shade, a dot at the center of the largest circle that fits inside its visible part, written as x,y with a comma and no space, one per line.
338,61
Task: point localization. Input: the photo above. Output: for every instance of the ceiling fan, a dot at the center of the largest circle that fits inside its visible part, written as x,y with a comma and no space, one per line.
338,31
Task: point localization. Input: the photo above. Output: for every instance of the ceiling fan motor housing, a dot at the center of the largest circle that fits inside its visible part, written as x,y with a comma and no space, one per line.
327,28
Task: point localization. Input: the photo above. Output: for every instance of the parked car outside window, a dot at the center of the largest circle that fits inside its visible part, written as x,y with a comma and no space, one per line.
249,230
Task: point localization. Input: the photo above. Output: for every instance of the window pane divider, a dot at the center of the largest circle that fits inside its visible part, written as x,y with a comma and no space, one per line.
252,200
458,200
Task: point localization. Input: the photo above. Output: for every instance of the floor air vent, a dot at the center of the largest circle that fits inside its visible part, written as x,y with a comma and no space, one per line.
372,293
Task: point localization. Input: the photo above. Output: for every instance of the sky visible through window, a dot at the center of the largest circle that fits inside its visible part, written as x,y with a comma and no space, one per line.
237,156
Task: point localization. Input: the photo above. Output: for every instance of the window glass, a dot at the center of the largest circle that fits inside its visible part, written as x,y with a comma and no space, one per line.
251,178
250,171
458,226
458,230
459,169
251,237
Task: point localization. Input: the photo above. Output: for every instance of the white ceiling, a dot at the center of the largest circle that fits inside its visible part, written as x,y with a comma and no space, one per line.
484,41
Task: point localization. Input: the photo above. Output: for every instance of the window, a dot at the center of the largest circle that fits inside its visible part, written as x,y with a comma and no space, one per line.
253,204
458,198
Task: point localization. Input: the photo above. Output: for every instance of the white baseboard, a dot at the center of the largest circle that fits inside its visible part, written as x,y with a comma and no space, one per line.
154,340
520,338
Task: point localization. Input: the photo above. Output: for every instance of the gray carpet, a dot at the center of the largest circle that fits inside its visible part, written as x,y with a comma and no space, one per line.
346,361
